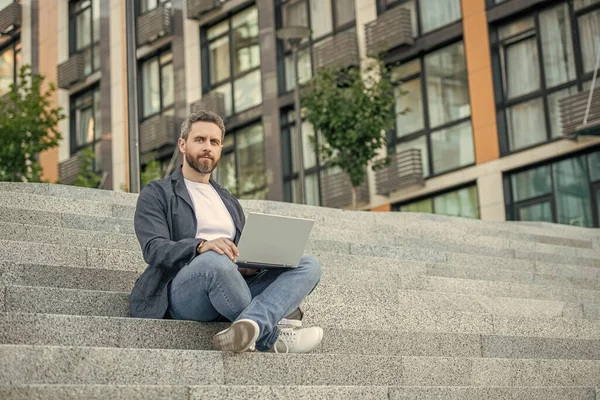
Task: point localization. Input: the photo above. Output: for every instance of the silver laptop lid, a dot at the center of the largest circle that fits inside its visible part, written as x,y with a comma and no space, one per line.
274,239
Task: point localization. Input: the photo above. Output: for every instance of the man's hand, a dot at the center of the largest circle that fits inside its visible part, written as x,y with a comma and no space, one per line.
221,246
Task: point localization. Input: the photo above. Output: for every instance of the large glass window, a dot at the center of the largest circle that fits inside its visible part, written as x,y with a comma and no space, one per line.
325,18
242,166
434,14
563,191
232,60
158,85
85,124
292,165
459,203
10,62
542,58
148,5
84,28
434,86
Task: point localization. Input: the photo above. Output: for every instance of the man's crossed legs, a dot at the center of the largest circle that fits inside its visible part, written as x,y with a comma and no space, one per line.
211,286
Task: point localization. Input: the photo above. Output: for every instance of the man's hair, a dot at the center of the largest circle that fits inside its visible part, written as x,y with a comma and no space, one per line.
203,116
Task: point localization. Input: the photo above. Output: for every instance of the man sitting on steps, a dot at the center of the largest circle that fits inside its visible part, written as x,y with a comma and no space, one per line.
188,228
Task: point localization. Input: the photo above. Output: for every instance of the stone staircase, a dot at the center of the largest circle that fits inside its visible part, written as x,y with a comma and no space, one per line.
414,306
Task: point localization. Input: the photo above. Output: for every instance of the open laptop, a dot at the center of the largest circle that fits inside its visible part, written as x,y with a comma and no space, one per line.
273,241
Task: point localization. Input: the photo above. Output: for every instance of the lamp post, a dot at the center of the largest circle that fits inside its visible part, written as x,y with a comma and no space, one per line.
294,35
132,116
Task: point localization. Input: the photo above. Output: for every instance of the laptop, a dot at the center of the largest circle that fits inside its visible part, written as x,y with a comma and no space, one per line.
273,241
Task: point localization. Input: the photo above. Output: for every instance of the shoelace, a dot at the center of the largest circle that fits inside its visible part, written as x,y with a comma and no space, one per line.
285,335
289,323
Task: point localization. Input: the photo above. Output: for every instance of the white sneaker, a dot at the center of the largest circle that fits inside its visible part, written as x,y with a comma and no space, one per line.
289,323
302,340
239,337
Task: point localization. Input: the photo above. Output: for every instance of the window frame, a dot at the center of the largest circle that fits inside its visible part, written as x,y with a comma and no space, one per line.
503,103
207,85
74,33
397,207
427,131
286,126
283,51
384,5
156,55
512,208
138,6
73,147
16,47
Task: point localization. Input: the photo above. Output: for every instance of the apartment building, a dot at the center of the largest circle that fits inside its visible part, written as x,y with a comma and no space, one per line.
496,92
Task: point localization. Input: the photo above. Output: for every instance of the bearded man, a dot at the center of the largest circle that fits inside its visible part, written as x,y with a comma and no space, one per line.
188,228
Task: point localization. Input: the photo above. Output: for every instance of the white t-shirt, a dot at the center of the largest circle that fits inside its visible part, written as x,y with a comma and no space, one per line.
214,220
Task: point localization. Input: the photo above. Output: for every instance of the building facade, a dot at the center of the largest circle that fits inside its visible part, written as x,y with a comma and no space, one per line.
491,89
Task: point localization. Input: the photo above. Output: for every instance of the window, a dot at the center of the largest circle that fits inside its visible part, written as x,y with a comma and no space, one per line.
231,56
458,203
10,63
563,191
149,5
158,86
433,14
5,3
242,166
84,28
433,110
85,124
325,18
291,163
541,59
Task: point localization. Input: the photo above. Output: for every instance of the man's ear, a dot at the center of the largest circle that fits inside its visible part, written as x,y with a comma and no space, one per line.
181,144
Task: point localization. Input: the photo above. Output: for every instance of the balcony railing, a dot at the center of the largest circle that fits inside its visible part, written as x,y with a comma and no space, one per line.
158,131
10,17
572,114
154,25
391,29
68,170
213,101
336,190
197,8
338,51
405,169
71,71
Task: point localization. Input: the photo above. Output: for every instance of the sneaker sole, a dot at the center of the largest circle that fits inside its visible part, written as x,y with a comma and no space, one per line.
318,343
239,337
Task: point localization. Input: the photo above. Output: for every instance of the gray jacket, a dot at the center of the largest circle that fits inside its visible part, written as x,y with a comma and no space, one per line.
165,225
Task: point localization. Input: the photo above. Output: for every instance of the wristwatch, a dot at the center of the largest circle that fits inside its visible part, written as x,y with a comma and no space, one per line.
199,247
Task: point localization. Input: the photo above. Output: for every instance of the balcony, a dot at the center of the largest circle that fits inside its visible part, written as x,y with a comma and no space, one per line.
336,190
197,8
71,71
405,169
10,18
572,114
68,170
158,131
339,51
391,29
213,101
154,25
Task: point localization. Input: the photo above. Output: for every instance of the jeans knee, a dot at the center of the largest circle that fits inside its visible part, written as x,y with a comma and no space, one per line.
312,268
215,264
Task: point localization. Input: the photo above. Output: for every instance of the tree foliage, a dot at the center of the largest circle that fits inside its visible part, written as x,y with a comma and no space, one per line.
351,109
152,172
87,177
28,126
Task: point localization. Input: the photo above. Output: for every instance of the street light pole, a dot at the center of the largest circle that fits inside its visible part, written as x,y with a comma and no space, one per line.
294,35
132,116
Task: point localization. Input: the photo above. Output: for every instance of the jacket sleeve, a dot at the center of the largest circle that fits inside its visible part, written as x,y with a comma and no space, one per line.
152,231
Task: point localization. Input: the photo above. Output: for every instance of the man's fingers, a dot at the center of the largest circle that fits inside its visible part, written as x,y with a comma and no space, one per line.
227,250
214,247
232,246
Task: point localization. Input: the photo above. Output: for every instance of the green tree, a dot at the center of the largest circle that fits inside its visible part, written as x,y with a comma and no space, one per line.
152,172
87,177
352,110
28,126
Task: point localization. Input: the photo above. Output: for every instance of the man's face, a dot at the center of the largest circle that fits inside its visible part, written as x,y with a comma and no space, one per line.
202,149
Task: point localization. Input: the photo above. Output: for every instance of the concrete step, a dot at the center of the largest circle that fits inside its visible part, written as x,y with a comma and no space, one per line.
94,331
501,289
21,364
495,393
131,392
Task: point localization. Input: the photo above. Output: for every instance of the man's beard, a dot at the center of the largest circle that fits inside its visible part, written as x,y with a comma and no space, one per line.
202,166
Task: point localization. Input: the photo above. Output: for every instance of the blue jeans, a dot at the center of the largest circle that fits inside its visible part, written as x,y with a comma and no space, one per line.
211,286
